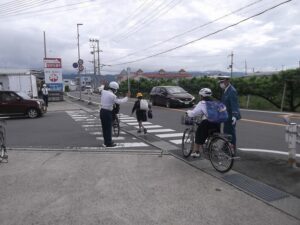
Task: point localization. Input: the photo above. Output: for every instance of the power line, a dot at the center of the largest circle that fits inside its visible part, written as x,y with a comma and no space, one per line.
150,19
205,36
189,31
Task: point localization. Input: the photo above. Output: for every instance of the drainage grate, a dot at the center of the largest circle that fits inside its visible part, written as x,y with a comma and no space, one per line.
258,189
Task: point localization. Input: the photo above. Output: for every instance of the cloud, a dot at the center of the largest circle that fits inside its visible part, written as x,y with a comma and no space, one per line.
267,41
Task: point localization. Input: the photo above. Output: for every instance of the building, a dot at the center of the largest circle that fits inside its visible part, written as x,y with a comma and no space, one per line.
161,74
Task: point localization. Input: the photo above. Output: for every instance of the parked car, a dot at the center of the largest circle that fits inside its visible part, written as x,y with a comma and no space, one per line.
171,96
88,90
19,104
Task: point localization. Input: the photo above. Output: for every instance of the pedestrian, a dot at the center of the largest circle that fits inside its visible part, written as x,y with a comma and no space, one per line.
230,99
108,99
141,106
45,92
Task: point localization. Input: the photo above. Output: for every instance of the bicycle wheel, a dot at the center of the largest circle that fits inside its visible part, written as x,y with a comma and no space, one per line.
116,127
187,142
220,154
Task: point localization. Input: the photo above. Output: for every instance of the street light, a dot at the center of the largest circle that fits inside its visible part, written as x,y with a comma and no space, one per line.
79,24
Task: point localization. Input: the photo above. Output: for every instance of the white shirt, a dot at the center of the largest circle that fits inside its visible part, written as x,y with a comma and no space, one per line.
108,99
45,90
199,110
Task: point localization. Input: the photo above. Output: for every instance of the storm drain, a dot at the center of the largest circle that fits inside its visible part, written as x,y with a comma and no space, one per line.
258,189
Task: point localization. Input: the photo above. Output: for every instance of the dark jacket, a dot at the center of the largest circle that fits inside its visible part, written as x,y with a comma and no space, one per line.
230,99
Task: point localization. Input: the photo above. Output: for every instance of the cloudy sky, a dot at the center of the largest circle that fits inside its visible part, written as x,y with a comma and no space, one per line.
152,34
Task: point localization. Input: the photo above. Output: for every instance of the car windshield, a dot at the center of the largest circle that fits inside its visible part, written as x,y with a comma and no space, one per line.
23,95
174,90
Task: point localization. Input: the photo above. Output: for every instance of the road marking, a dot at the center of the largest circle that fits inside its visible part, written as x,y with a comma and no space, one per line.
169,135
128,121
136,123
131,144
177,142
160,130
150,126
263,122
114,138
265,151
91,125
96,133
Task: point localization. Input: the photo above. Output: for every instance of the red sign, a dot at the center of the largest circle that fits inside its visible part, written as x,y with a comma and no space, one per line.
52,62
53,77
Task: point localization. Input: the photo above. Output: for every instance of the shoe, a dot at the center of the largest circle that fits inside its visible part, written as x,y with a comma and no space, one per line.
195,154
145,131
111,145
139,131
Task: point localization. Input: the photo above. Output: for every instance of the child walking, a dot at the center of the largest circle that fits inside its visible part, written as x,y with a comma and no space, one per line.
141,106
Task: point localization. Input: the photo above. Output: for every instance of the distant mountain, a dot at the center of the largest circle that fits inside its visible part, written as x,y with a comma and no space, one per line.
108,77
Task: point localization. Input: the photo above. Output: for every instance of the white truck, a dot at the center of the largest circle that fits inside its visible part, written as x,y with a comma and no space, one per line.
19,80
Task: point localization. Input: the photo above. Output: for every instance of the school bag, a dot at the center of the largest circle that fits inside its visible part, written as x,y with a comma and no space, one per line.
216,112
144,104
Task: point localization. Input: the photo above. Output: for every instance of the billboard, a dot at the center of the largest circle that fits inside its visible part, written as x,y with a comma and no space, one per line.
53,74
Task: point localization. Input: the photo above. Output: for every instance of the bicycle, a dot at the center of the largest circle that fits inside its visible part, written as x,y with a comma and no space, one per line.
115,120
3,152
217,148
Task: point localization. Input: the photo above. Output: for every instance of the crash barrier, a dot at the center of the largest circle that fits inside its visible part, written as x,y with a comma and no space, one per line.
292,137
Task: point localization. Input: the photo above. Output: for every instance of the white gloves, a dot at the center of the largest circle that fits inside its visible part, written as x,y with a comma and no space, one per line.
233,120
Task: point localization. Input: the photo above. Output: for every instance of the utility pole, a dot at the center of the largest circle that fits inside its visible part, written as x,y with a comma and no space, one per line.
45,49
98,54
79,24
231,64
128,82
246,73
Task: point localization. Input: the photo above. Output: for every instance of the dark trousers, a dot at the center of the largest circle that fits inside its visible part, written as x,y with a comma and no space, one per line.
206,128
45,98
230,129
106,122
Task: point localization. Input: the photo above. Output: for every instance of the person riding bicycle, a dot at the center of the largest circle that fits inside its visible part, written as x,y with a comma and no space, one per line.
205,128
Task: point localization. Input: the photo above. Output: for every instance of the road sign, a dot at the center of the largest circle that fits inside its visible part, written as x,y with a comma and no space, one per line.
75,65
81,68
80,61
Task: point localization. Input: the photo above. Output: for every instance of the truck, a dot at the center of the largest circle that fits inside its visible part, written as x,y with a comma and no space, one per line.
19,80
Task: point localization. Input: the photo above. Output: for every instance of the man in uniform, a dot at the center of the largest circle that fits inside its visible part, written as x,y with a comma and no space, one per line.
108,99
230,99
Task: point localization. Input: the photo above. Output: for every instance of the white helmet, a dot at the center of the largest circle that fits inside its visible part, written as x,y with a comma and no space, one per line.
44,85
114,85
205,92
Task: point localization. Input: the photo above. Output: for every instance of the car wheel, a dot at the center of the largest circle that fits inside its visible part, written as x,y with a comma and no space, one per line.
32,113
168,104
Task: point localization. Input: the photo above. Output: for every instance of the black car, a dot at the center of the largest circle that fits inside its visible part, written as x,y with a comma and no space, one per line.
171,96
19,104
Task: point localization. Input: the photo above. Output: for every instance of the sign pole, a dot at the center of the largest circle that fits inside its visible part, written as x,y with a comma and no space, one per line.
79,24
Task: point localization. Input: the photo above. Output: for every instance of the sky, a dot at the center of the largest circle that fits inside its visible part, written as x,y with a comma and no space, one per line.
194,35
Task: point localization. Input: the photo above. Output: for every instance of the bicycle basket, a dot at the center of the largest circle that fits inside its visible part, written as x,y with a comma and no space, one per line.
186,120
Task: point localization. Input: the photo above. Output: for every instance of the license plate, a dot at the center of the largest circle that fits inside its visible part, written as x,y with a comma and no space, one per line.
186,103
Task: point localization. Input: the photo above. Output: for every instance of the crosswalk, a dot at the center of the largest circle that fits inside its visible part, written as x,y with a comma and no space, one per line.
90,123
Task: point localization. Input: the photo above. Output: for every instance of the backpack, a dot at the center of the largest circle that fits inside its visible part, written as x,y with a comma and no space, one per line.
216,112
143,104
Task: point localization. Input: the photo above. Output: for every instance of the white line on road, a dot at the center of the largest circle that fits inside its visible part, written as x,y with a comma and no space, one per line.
160,130
169,135
92,125
138,123
128,121
265,151
150,126
177,142
114,138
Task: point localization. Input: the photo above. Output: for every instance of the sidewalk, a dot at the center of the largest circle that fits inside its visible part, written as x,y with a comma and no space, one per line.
120,188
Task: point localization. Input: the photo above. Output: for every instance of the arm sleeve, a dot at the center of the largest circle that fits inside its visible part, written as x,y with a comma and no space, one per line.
134,107
197,111
120,100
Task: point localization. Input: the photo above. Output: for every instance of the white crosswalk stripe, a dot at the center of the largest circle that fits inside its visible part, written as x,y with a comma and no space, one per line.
160,130
113,138
177,142
91,125
150,126
136,123
169,135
